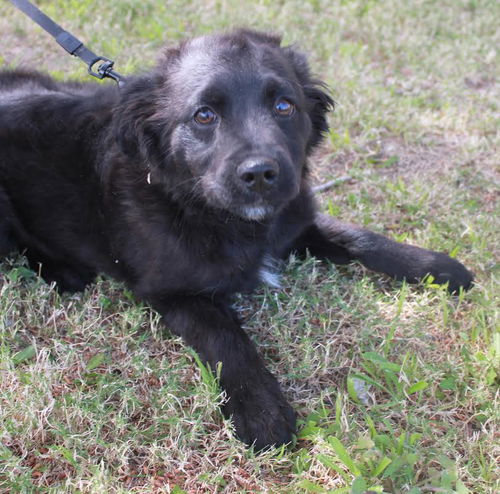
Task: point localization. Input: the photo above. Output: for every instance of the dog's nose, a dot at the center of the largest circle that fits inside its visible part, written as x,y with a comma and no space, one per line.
259,176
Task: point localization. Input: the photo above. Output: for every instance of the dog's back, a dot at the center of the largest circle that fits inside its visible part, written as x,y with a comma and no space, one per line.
17,85
48,145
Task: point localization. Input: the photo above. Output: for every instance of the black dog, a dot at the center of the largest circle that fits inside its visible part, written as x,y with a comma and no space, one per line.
186,185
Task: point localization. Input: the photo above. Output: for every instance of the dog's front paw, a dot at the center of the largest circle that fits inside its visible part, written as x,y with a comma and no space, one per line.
261,415
444,269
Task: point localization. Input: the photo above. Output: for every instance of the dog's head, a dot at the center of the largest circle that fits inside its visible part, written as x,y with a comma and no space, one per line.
232,119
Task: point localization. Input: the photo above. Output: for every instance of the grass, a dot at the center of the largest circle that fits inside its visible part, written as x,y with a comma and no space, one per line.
396,387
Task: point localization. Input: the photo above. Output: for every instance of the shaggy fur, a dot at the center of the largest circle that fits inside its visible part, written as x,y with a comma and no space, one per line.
186,184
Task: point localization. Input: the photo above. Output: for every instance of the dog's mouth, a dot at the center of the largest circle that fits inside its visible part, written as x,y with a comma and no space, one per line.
256,212
233,201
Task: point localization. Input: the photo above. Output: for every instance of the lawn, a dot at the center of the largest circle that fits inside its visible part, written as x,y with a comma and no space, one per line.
395,386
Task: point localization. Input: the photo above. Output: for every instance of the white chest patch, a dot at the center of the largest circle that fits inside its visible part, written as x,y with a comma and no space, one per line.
269,272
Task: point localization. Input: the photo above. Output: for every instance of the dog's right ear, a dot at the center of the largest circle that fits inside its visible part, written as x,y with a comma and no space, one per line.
135,130
320,103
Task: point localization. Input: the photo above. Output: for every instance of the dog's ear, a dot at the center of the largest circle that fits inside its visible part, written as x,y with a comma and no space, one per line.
258,37
135,130
319,102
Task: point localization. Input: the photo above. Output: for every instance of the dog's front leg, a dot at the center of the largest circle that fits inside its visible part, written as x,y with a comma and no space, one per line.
340,242
259,411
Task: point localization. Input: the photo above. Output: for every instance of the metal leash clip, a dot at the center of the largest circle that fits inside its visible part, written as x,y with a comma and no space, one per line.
105,70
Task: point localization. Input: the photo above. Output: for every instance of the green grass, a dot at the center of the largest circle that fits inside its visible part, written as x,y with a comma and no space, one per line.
396,386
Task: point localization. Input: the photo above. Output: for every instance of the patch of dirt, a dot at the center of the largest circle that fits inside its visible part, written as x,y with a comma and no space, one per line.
480,82
391,156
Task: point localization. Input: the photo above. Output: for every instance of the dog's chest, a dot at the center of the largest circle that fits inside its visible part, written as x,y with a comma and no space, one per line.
229,266
204,262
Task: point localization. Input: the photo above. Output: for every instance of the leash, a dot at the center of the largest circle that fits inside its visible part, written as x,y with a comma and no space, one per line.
104,66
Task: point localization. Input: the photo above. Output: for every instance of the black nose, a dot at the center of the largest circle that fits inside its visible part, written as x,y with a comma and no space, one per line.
258,175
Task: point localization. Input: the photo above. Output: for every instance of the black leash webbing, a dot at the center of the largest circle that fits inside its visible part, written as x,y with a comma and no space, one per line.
70,43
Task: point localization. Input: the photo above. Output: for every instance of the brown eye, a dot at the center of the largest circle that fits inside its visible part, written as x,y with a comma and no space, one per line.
284,108
205,116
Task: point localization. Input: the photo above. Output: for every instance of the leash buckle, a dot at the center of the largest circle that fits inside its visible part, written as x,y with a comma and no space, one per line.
102,71
105,69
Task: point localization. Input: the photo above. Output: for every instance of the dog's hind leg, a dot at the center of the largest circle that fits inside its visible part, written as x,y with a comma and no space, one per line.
67,278
14,237
341,243
8,243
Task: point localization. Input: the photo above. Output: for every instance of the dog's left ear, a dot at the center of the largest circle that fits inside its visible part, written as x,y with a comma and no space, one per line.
318,100
135,131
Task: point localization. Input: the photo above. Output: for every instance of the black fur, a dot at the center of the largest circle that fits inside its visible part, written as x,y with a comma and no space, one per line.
186,212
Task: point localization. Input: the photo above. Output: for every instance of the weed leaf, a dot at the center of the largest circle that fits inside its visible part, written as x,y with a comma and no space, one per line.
358,486
96,361
384,463
309,486
343,455
420,386
381,362
26,354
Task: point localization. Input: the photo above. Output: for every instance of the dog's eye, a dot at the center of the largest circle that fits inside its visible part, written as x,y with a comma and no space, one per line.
284,108
205,116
